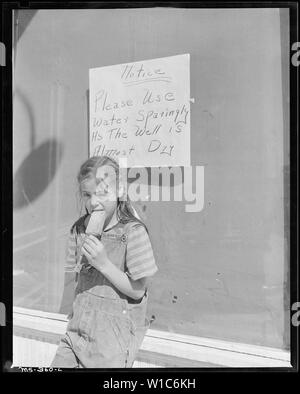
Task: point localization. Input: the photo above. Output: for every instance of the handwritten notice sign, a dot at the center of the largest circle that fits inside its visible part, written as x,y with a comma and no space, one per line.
141,111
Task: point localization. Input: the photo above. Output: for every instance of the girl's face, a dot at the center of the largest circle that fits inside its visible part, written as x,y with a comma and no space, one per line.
100,192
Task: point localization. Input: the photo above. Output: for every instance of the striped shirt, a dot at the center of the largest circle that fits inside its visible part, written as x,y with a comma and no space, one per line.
140,261
139,257
71,254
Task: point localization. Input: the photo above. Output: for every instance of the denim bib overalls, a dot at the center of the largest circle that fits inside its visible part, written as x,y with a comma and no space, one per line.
106,327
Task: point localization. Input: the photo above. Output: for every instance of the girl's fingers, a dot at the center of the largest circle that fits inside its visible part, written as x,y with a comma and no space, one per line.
87,255
90,244
92,240
92,247
88,249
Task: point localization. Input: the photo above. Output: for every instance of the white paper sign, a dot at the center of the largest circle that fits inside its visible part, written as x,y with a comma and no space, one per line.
141,111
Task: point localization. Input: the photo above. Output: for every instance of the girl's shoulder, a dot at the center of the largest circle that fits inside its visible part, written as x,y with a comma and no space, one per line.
134,225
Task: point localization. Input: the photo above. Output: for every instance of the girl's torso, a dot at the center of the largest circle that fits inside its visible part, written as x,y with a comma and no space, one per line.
93,285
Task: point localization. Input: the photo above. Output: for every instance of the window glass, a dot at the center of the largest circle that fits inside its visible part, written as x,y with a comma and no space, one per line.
223,271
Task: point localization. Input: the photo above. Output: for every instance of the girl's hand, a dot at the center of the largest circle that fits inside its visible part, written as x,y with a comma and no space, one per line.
94,251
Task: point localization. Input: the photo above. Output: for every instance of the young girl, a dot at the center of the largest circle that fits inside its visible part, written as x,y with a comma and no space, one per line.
108,321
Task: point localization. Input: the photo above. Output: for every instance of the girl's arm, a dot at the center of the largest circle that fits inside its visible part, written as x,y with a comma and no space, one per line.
132,288
95,252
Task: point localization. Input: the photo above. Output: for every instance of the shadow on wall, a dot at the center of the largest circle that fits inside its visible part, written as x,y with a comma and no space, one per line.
22,20
36,172
39,168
